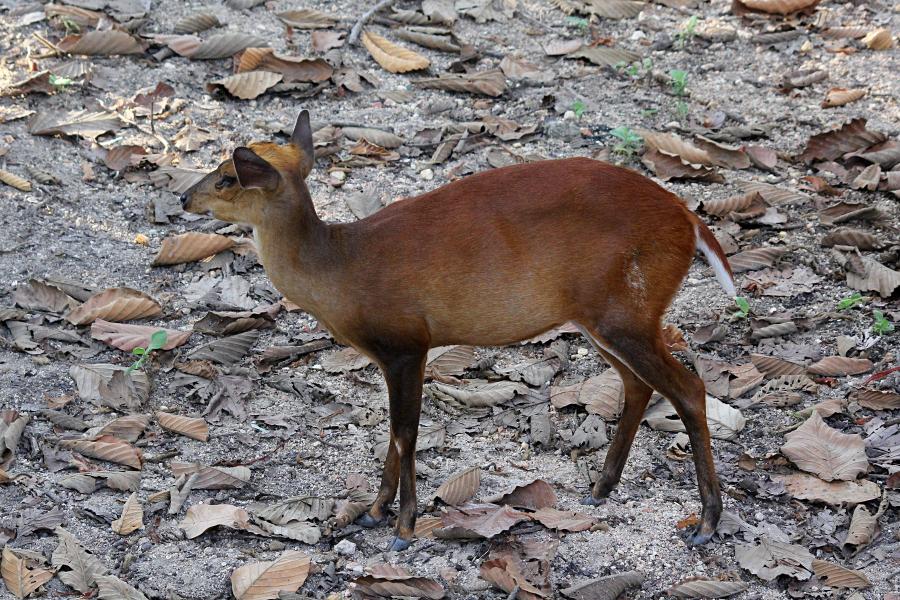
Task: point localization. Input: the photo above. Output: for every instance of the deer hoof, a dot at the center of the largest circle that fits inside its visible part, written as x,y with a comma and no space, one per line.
368,521
398,544
591,501
698,537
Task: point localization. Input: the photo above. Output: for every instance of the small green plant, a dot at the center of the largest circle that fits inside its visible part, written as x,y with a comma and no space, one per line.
579,23
70,26
679,81
743,308
851,301
649,112
682,108
686,34
881,326
629,141
157,341
60,83
578,107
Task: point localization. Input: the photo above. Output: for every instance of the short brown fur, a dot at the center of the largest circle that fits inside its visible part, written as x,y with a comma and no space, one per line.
490,259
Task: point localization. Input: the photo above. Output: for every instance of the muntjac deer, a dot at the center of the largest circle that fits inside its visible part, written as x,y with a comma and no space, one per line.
487,260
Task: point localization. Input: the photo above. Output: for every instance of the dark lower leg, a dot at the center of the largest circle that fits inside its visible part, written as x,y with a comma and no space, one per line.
388,489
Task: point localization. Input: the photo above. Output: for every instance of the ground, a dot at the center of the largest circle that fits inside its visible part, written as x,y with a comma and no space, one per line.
83,226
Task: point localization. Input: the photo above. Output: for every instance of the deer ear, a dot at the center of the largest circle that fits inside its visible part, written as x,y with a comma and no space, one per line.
252,171
302,138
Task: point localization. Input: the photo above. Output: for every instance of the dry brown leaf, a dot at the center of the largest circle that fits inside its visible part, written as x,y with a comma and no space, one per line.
673,145
19,579
841,96
107,42
840,366
667,167
345,360
506,572
38,295
460,487
392,57
226,44
846,236
817,448
128,337
323,41
489,83
213,478
246,86
10,179
771,366
755,258
480,520
307,18
879,39
191,246
722,155
108,448
878,399
602,395
201,517
695,587
89,379
227,350
86,124
191,138
366,148
773,195
863,527
610,587
196,22
132,517
293,68
835,493
389,581
533,495
264,580
604,56
778,7
192,427
85,567
449,360
836,576
564,520
833,144
115,304
128,428
615,9
121,157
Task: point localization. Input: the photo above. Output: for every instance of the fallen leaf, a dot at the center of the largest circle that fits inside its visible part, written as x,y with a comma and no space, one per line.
89,379
476,393
879,39
460,487
109,42
863,526
87,124
755,258
724,421
300,508
840,366
10,179
489,83
389,581
188,247
112,588
84,567
770,559
695,587
19,579
835,493
194,428
836,576
227,44
196,22
128,428
609,587
878,399
293,68
228,350
213,478
132,517
247,85
345,360
264,580
604,56
778,7
837,142
667,167
307,18
201,517
128,337
533,495
481,520
392,57
564,520
817,448
108,448
38,295
841,96
115,304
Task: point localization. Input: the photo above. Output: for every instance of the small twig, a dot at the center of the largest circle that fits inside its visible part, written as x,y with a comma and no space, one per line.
56,51
357,27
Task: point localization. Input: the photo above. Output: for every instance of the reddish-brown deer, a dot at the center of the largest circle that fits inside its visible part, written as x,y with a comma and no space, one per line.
487,260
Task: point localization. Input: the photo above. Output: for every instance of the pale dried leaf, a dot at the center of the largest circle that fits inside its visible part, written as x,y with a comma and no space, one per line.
247,85
108,42
191,246
108,448
706,588
836,576
841,96
770,559
460,487
85,567
115,304
201,517
817,448
840,366
128,337
835,493
264,580
192,427
392,57
489,83
132,517
19,579
563,520
10,179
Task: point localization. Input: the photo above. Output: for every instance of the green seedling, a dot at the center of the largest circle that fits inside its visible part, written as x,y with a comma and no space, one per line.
629,141
679,81
851,301
578,107
687,32
682,108
881,326
743,308
70,26
578,22
60,83
649,112
157,341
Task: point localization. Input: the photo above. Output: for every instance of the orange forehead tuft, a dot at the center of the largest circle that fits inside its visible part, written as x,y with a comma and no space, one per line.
283,158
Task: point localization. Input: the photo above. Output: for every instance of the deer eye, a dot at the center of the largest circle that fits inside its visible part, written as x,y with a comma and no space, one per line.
226,181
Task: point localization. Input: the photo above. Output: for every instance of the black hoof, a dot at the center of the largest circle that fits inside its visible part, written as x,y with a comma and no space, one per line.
591,501
368,521
698,538
398,544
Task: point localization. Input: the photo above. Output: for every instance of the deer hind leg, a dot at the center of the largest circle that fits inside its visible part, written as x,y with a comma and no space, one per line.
637,395
646,356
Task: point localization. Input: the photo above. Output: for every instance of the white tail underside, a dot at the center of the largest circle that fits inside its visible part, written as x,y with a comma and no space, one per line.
721,272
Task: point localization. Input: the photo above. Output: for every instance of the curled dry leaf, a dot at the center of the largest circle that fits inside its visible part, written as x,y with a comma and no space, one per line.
188,247
879,39
778,7
878,399
722,207
615,9
604,56
247,86
876,278
132,517
213,478
863,526
196,22
111,587
19,579
227,350
128,337
300,508
227,44
480,520
128,428
506,572
770,559
345,360
694,587
201,517
841,96
771,366
107,42
477,393
38,295
840,366
392,57
293,68
121,157
609,587
89,379
460,487
489,83
772,194
115,304
265,580
307,18
847,236
534,495
84,567
667,167
563,520
837,142
84,123
673,145
389,581
602,395
755,258
192,427
724,421
109,448
817,448
835,493
836,576
10,179
385,139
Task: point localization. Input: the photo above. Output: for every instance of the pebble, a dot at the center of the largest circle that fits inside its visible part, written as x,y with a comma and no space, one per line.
345,548
637,35
338,175
426,174
582,352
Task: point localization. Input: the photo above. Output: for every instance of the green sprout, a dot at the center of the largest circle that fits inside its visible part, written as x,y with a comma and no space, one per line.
157,341
679,81
629,141
851,301
60,83
743,308
686,34
578,107
881,326
578,22
682,108
70,25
